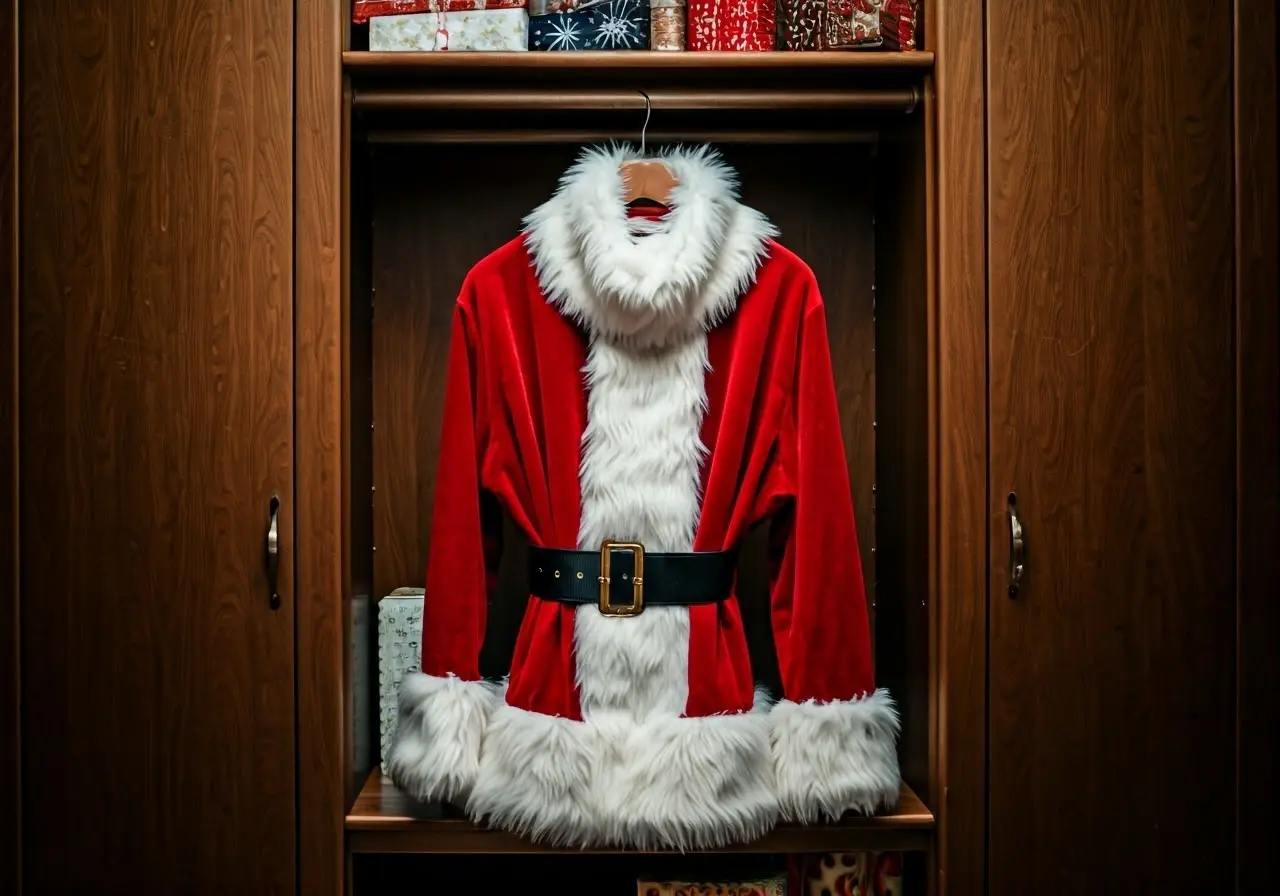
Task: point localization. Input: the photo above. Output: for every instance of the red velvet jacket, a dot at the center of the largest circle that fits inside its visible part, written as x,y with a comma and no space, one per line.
672,389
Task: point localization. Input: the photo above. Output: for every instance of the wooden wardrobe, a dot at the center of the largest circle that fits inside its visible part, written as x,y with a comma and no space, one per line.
1049,241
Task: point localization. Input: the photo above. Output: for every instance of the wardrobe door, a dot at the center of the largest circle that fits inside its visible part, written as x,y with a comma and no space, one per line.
155,432
1112,377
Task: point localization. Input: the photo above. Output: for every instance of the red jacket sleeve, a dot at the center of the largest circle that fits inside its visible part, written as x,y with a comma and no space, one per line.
463,539
819,602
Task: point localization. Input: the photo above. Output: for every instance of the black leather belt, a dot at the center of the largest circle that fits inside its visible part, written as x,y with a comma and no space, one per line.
622,579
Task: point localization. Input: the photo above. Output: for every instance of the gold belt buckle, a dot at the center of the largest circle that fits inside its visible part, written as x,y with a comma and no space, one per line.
607,606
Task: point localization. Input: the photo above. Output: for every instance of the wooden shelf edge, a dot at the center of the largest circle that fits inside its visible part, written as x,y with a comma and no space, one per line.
368,62
384,820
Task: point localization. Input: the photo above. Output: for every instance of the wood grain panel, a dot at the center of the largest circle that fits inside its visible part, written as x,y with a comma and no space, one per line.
1112,673
156,423
958,439
1257,447
10,772
425,240
325,779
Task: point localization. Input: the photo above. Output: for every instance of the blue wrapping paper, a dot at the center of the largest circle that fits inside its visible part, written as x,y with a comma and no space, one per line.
608,25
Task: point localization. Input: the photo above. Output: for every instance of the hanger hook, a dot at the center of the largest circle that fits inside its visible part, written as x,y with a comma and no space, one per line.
648,110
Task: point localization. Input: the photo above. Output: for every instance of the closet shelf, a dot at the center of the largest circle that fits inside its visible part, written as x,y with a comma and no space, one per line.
384,820
746,85
365,62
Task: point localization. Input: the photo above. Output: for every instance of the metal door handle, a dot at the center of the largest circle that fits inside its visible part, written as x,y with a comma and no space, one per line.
273,552
1017,547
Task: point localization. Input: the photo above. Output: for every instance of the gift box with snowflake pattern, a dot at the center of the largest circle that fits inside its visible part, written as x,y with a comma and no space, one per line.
606,25
458,29
399,653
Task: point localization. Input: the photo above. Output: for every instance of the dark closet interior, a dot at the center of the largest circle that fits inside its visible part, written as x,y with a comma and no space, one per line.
848,191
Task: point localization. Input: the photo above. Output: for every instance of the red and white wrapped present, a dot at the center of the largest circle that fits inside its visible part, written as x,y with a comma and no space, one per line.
370,9
850,24
900,24
742,25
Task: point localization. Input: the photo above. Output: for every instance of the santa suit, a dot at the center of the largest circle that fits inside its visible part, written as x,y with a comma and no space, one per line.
670,389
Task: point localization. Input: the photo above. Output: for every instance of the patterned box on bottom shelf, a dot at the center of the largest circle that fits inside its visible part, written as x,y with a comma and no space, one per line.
399,652
773,886
493,30
861,873
604,25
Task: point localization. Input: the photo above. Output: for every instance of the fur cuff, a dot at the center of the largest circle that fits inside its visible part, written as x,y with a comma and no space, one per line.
830,758
435,754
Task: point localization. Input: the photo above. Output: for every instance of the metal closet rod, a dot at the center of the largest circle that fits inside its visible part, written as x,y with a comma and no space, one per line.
519,137
881,99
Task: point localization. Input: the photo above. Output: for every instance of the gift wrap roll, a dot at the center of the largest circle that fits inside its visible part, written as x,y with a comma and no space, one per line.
494,30
666,24
609,25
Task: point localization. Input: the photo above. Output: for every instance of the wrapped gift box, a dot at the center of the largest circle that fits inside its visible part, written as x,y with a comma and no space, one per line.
370,9
863,873
773,886
503,29
900,24
546,7
746,25
607,25
494,30
399,652
849,24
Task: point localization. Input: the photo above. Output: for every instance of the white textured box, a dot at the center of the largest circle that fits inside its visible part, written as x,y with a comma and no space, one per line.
473,29
399,652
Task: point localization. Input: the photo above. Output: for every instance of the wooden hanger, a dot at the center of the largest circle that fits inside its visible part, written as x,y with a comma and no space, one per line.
647,181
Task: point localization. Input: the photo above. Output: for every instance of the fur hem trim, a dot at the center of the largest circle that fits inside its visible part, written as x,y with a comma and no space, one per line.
830,758
684,275
435,754
665,783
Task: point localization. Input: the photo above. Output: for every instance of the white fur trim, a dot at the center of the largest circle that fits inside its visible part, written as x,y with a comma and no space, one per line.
641,454
670,783
435,754
682,276
831,758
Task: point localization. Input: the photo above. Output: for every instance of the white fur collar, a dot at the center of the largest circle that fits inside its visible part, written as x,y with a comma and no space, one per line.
682,278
